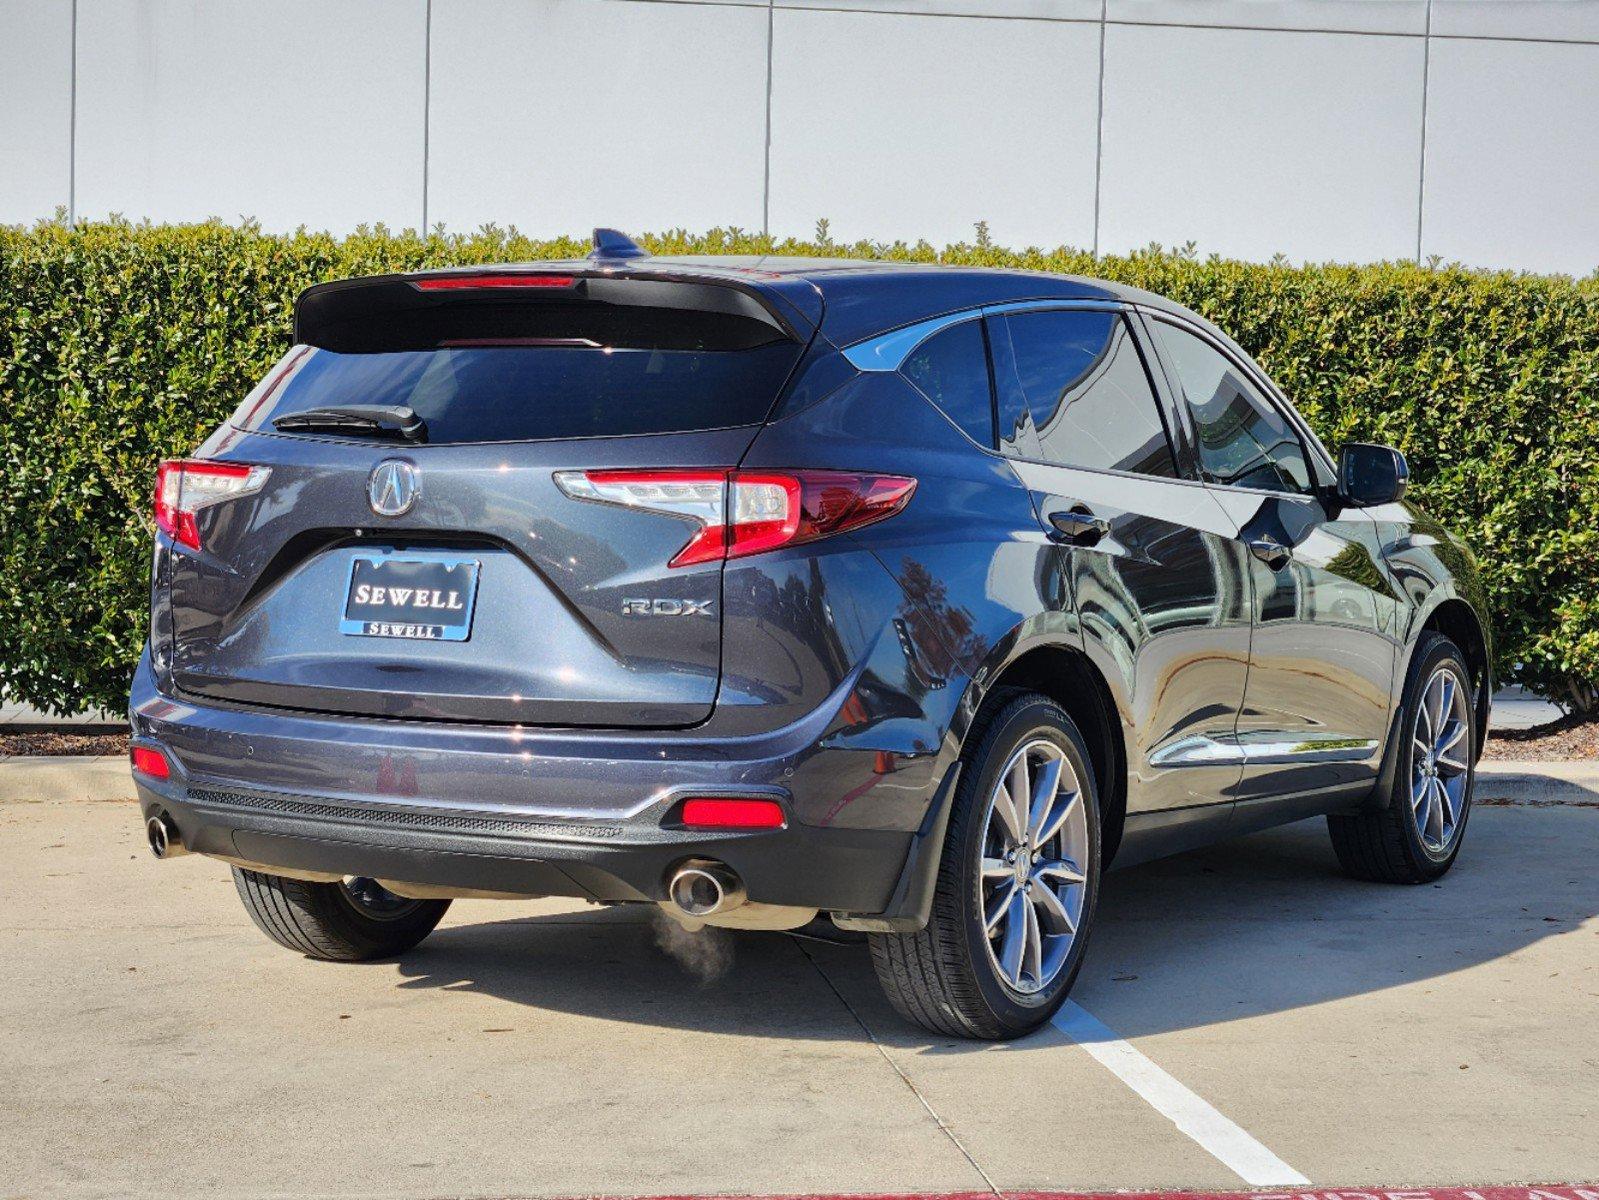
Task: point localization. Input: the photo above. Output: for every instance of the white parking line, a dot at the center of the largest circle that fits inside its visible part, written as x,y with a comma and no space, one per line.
1247,1158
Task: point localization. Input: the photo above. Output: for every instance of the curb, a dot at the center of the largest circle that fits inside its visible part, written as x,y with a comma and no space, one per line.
82,778
1523,782
99,780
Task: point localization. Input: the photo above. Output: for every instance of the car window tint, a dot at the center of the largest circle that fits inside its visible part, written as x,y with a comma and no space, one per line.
951,369
1091,400
1244,440
527,393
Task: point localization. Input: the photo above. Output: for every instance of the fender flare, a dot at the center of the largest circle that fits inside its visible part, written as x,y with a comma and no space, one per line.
911,905
1444,592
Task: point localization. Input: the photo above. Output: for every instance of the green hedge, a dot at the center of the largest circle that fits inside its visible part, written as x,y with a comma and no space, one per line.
122,344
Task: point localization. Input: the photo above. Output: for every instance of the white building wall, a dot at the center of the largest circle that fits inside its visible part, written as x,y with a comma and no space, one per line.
1319,129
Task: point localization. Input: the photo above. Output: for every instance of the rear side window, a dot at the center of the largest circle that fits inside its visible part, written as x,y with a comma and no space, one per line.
499,393
1244,441
951,369
1091,400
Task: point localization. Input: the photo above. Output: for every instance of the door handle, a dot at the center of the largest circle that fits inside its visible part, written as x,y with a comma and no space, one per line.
1270,551
1078,526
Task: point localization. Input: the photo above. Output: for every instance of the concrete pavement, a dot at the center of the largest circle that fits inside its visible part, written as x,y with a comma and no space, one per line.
152,1042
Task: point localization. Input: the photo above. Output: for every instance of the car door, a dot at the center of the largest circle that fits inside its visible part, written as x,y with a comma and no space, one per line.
1151,560
1321,662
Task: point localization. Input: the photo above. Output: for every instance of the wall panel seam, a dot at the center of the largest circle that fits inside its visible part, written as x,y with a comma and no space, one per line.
72,125
1421,173
427,108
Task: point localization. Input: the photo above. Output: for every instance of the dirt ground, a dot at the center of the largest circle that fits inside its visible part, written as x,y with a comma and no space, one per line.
1570,737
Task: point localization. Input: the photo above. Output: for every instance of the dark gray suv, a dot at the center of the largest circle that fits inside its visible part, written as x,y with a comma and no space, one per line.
760,588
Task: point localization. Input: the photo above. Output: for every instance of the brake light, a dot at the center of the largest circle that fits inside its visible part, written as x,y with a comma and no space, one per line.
739,513
445,283
151,762
731,813
183,486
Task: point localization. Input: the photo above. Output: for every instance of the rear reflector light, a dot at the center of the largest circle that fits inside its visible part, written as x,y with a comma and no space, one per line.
747,512
151,762
726,813
446,283
183,486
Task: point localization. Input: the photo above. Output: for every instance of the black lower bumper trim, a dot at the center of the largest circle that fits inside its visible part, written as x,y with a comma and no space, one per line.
833,869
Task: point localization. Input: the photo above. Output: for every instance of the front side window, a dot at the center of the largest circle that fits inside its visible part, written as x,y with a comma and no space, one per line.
1091,401
1244,440
951,369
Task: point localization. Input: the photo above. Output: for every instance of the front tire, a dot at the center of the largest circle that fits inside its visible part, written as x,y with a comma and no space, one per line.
1417,836
350,921
1017,883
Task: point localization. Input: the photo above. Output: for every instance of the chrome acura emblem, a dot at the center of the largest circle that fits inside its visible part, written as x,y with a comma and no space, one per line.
393,488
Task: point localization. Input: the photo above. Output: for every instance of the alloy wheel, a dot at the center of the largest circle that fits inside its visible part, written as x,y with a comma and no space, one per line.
1438,761
1033,874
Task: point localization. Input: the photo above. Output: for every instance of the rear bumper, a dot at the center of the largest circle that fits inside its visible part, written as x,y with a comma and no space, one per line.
836,869
471,808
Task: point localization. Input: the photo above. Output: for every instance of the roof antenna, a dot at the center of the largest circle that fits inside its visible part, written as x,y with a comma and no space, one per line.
613,244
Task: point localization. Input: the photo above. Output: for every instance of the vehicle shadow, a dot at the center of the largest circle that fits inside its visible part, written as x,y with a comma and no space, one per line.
1258,925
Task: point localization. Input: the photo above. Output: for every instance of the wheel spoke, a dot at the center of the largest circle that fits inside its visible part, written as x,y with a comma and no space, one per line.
1034,958
1005,810
1452,737
1049,904
1015,945
1056,817
1420,793
1451,802
1435,813
998,906
1435,708
996,868
1019,787
1042,802
1063,869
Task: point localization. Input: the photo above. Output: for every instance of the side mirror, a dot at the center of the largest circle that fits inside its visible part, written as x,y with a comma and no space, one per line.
1369,474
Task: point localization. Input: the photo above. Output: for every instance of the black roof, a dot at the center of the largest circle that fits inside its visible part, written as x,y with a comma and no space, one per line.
863,297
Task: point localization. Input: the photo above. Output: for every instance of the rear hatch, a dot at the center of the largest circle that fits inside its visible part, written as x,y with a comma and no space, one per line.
418,536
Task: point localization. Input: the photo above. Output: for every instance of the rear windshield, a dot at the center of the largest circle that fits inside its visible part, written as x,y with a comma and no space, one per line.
526,393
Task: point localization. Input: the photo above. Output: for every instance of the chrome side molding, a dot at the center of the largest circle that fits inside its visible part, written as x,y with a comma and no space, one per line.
1265,748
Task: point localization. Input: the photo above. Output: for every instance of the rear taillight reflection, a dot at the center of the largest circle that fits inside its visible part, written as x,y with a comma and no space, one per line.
747,512
183,486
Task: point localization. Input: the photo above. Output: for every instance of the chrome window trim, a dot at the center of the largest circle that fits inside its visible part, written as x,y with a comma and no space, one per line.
888,351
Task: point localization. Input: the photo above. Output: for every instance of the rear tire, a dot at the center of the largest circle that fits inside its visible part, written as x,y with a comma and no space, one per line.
340,922
956,977
1417,836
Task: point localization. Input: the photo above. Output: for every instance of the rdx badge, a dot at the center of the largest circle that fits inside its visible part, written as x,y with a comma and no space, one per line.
665,608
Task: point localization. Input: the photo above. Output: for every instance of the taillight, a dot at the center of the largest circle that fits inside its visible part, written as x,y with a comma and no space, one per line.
747,512
150,762
719,812
183,486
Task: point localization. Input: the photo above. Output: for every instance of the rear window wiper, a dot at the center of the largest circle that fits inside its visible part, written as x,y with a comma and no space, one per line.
357,420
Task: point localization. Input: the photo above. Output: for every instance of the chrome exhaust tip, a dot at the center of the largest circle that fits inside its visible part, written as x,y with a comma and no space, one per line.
165,840
701,888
